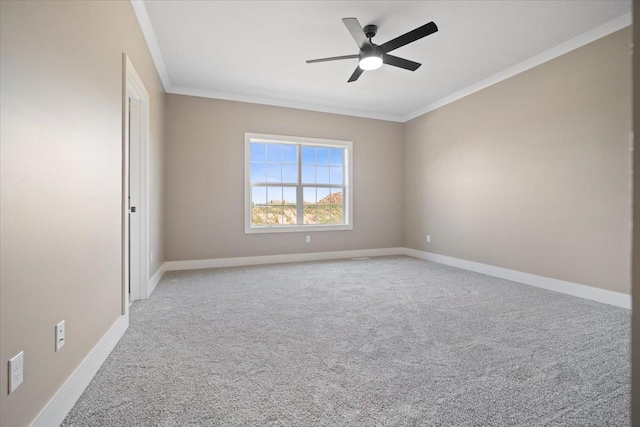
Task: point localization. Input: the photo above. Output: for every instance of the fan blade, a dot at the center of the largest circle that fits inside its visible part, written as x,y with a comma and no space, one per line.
400,62
409,37
333,58
356,74
357,33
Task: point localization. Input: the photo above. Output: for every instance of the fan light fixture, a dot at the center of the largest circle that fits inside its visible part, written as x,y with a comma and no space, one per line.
369,63
372,56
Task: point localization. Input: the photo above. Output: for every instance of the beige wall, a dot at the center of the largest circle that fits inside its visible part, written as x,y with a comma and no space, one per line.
635,326
533,173
61,145
205,179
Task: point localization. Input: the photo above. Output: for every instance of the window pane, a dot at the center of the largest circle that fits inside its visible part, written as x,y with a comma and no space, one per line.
258,152
337,156
336,175
323,196
289,154
308,174
258,172
290,215
289,195
274,153
290,174
337,202
322,174
309,215
258,195
274,172
258,215
309,195
323,214
308,155
336,214
274,195
322,156
274,215
337,196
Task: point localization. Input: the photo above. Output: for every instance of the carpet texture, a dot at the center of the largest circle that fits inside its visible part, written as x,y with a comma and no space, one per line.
390,341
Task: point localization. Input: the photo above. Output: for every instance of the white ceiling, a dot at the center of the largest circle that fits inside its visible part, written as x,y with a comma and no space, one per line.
256,51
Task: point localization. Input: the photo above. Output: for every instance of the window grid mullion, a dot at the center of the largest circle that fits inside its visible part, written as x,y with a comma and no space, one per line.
308,184
299,194
272,184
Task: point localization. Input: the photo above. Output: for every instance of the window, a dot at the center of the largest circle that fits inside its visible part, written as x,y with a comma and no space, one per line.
297,184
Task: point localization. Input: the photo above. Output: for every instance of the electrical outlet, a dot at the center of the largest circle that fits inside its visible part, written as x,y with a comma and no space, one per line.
16,368
428,238
308,239
59,335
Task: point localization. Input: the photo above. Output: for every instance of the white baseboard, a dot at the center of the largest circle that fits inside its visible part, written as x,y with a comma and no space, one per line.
583,291
277,259
153,282
59,406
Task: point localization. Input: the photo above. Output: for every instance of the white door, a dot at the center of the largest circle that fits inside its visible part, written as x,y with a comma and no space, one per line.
135,241
135,208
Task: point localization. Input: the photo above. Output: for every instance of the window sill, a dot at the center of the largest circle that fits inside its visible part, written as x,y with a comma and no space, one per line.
298,228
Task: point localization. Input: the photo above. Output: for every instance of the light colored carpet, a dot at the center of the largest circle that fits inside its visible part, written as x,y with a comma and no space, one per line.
390,341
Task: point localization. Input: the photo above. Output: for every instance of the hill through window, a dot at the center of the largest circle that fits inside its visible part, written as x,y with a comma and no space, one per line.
297,184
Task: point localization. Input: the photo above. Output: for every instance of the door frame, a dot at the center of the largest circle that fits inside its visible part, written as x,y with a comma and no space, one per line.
133,88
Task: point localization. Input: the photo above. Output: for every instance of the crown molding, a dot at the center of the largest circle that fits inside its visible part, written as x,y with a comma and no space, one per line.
561,49
576,42
203,93
140,11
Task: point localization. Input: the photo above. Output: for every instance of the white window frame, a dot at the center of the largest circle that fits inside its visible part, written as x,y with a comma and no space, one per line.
348,184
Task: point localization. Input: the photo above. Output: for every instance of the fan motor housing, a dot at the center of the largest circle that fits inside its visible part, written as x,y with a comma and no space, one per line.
370,30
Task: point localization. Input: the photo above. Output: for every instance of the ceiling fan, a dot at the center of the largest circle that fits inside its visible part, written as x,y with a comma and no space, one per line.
372,56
